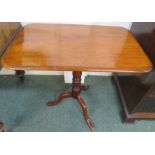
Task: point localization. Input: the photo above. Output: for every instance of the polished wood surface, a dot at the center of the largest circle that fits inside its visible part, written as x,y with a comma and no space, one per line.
8,30
76,48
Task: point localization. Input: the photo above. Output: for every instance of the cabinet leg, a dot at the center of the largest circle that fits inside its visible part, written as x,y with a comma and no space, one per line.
125,119
1,127
20,74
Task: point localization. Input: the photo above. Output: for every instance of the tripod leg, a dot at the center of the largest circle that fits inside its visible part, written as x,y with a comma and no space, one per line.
85,112
84,87
60,98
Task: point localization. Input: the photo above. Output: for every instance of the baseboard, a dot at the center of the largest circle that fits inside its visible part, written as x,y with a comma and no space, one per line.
67,75
5,71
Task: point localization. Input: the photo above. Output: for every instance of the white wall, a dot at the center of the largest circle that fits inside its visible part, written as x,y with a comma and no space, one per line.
68,75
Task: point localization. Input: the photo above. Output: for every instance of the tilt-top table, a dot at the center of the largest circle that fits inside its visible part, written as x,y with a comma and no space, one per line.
76,48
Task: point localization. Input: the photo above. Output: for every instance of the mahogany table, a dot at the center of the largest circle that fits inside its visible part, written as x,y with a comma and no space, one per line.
76,48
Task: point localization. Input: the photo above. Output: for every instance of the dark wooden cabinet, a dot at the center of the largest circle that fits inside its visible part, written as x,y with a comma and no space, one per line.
8,31
1,127
137,92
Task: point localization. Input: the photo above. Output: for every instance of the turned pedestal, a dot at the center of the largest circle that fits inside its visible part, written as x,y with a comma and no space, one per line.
75,93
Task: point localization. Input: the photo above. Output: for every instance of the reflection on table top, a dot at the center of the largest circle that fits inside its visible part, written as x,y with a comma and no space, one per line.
76,48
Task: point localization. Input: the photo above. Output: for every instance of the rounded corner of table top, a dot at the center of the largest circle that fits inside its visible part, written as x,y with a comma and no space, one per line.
5,65
149,69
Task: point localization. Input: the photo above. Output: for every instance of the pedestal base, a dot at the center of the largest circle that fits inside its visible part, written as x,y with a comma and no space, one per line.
75,93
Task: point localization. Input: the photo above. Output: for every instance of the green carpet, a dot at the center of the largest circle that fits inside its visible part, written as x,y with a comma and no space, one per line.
23,107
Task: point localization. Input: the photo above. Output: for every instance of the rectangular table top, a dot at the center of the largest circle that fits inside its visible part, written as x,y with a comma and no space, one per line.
76,48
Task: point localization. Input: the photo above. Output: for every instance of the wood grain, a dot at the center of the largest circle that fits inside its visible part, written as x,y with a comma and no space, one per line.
76,48
8,31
